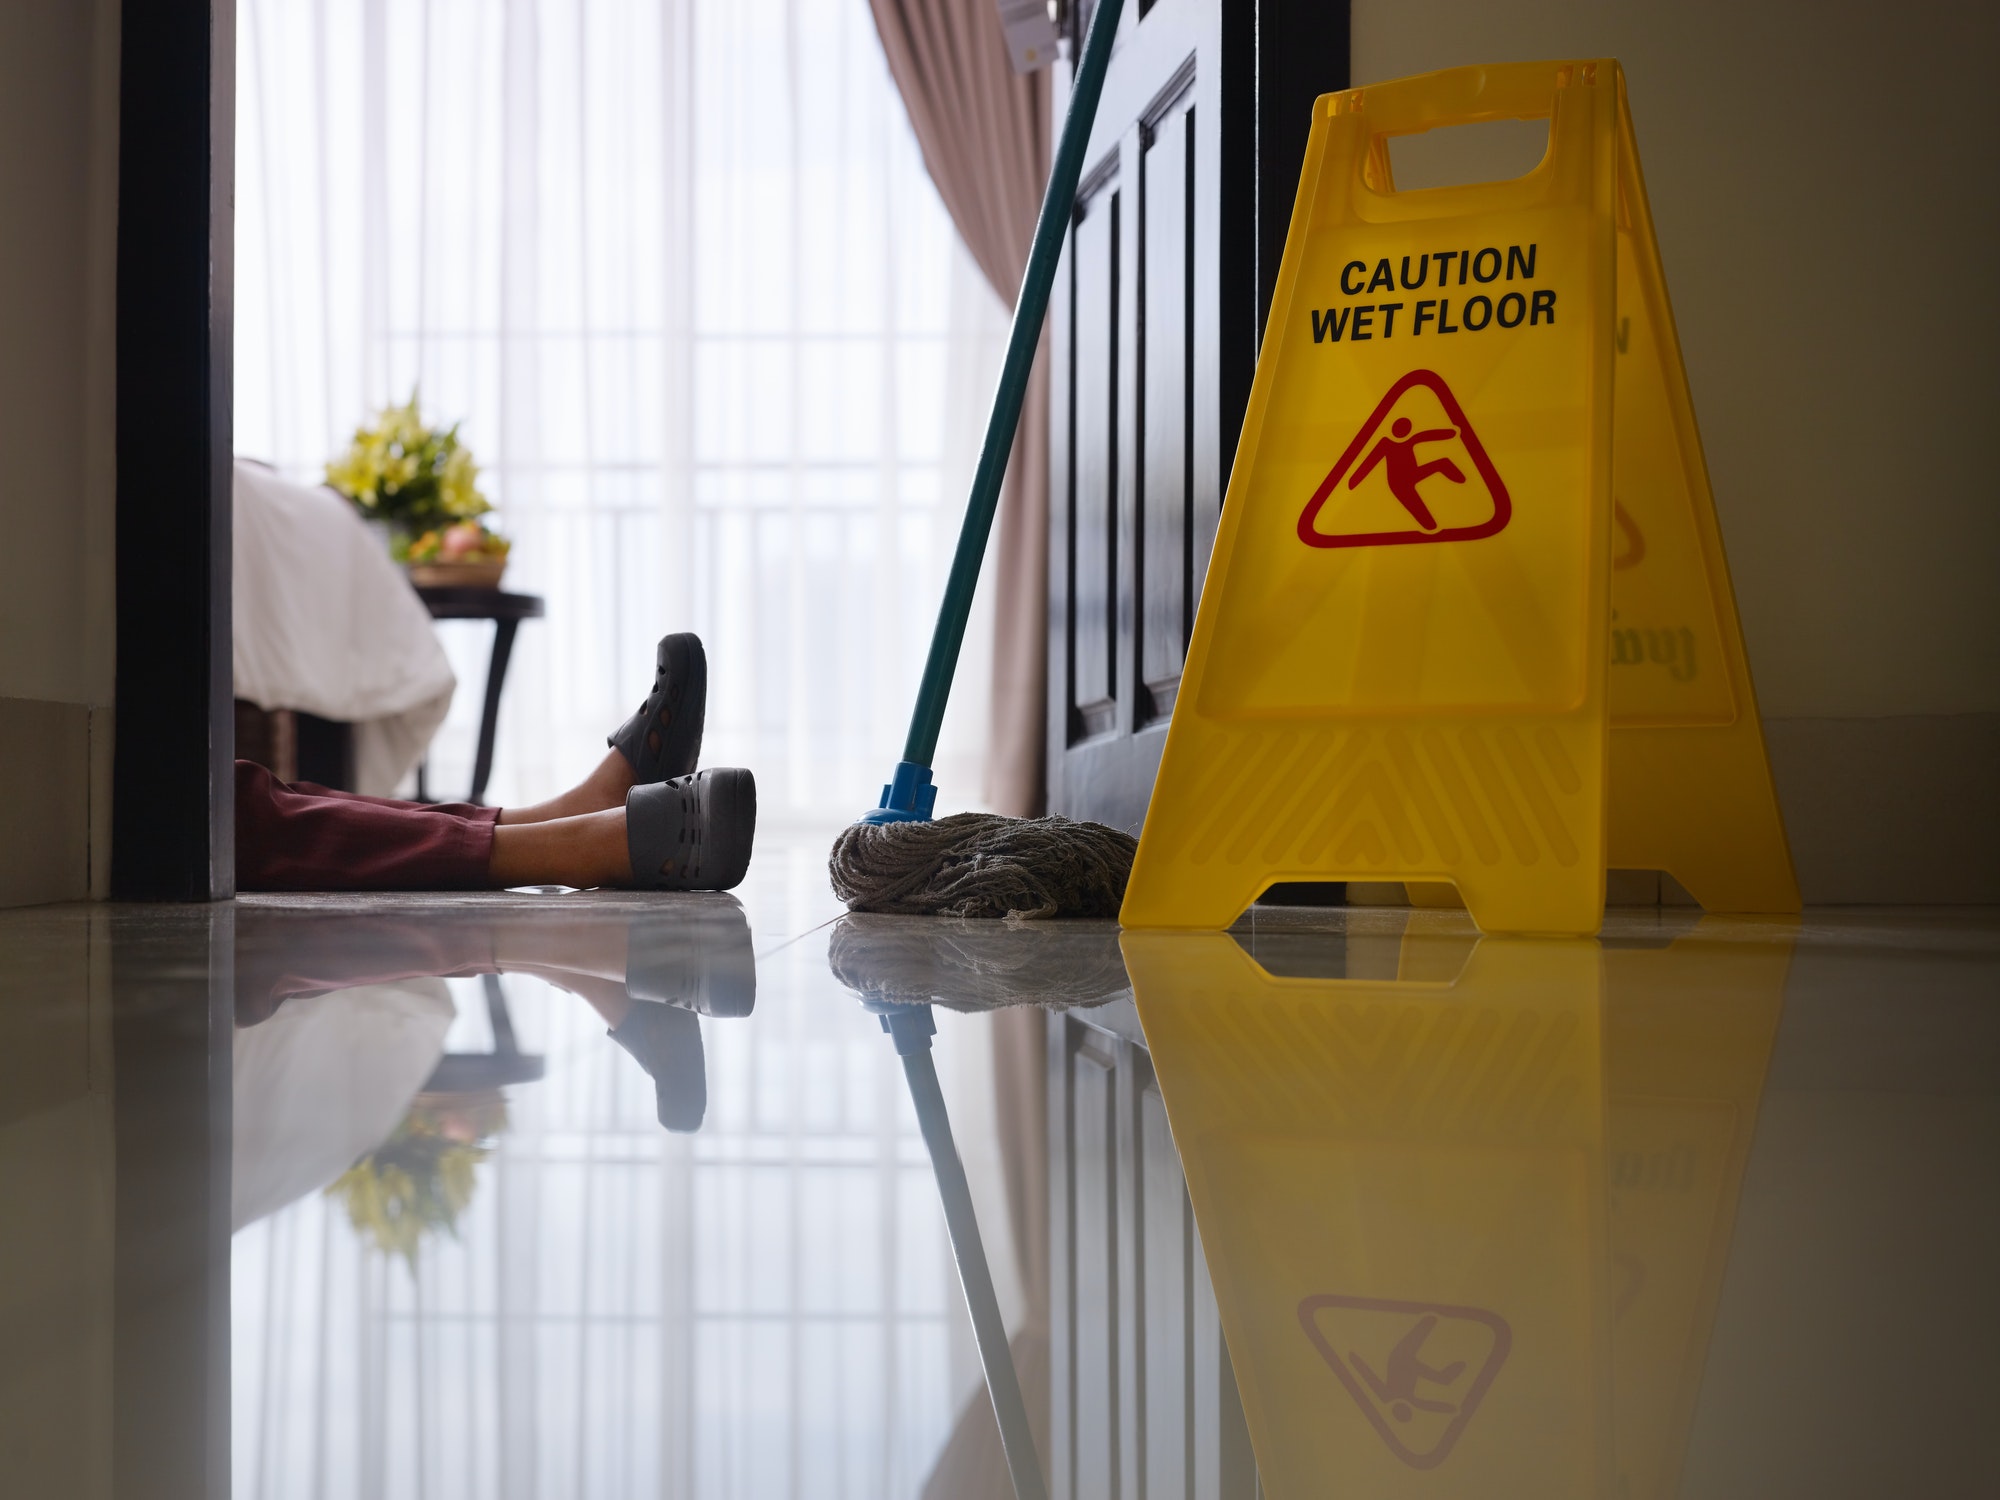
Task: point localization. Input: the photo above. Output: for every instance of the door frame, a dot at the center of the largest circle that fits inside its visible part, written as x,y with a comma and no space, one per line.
173,777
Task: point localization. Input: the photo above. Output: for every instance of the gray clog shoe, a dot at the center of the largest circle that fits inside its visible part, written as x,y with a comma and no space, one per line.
666,1042
692,833
663,739
694,954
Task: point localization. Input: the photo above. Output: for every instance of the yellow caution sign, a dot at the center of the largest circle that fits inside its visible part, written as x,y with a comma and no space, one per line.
1468,617
1466,1208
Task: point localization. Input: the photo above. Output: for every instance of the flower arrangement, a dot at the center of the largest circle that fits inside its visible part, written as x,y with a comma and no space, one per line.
421,1179
419,479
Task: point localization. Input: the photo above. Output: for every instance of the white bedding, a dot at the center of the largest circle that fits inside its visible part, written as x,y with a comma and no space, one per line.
325,622
324,1082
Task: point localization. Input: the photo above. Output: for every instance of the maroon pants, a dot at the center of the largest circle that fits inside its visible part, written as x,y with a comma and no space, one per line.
300,837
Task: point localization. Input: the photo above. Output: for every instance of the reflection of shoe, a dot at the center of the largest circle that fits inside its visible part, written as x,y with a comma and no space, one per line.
696,956
663,739
692,833
666,1042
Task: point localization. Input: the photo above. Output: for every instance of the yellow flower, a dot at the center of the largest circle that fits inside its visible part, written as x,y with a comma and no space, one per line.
408,473
404,425
356,475
456,490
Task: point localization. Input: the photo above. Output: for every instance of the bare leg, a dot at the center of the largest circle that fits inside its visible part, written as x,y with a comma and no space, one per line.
586,850
585,944
603,789
609,998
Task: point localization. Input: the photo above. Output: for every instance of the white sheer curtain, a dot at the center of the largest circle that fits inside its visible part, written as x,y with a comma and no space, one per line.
677,266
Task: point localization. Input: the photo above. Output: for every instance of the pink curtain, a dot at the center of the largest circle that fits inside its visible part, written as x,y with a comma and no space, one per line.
984,133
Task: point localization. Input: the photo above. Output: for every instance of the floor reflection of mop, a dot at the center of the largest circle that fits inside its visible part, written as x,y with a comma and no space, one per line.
911,1028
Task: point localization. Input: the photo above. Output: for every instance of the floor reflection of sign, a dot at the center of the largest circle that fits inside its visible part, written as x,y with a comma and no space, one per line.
1416,434
1631,541
1417,1370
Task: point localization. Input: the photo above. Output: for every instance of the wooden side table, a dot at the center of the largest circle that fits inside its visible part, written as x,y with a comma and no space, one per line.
506,611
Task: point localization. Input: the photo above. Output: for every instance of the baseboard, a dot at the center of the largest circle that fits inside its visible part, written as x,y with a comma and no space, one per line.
1895,811
45,797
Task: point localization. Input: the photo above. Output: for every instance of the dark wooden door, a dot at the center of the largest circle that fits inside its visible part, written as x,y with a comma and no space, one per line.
1143,1403
1154,324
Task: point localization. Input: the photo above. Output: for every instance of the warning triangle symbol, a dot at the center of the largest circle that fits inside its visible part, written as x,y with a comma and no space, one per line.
1417,1370
1415,472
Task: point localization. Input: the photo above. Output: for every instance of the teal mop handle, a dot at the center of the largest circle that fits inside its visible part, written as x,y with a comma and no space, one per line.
1029,310
989,1332
911,1028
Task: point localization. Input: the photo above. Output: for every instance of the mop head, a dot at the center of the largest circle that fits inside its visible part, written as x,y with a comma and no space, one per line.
975,966
983,865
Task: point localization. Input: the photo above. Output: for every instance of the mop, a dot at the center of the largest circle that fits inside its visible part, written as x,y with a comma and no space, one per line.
910,1029
973,967
896,858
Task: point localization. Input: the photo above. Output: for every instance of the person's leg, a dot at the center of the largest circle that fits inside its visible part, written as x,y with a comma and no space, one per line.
608,997
589,942
695,833
665,1040
295,839
661,742
588,849
603,789
692,833
658,743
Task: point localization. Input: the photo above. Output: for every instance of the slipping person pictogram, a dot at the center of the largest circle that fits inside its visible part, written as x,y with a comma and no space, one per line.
1417,1371
1397,453
1407,1370
1418,410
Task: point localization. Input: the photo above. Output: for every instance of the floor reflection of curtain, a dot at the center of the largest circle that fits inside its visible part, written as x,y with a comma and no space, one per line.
678,267
761,1310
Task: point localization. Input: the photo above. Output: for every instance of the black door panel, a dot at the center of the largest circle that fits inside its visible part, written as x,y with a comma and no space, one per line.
1092,434
1153,327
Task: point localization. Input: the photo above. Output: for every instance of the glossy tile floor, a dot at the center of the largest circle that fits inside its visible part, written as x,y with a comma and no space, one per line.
339,1197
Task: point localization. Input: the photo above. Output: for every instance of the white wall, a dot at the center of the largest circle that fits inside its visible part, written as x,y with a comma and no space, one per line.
1822,173
58,182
